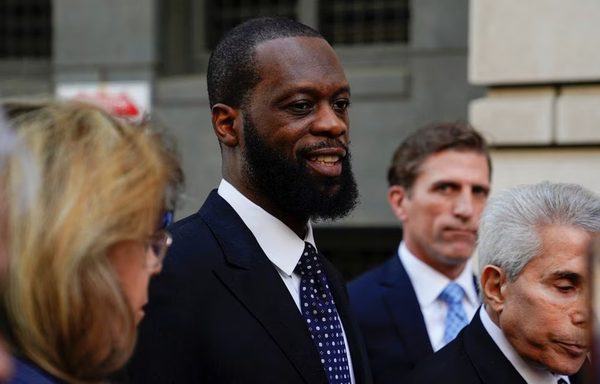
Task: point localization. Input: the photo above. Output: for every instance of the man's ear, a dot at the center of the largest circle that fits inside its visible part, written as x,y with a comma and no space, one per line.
226,122
493,283
398,200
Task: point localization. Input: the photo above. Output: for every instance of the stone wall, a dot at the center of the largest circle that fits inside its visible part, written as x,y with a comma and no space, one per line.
539,60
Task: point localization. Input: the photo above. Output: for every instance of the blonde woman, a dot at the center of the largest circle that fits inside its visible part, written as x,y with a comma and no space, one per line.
83,255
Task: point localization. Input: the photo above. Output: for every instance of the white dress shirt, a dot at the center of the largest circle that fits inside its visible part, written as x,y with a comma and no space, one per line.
281,245
428,285
532,375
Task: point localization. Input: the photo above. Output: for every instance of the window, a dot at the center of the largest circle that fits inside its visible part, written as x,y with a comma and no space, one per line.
225,15
25,29
347,22
190,29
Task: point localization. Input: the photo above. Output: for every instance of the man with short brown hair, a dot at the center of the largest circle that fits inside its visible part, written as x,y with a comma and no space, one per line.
415,303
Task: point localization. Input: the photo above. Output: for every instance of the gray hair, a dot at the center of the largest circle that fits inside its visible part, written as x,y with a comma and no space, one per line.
509,234
11,149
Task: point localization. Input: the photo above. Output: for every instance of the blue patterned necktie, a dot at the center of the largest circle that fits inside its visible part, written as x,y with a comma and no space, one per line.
456,318
320,314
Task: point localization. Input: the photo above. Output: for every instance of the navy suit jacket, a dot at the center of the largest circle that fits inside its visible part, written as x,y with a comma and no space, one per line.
474,358
388,312
220,313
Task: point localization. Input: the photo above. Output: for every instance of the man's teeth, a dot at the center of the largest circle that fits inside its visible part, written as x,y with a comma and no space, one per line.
327,159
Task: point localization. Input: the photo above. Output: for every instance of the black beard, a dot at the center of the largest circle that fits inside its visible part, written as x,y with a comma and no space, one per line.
291,187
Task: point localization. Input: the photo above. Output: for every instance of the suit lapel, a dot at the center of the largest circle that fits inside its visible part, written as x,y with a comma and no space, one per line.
355,344
476,284
584,375
489,362
404,309
255,282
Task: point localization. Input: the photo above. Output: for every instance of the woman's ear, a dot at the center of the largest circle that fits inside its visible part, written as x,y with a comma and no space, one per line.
226,122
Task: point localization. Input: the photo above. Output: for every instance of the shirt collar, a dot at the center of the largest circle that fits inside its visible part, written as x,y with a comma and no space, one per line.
281,245
529,373
429,283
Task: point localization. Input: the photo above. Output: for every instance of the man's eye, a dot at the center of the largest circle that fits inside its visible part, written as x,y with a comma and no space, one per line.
300,106
480,191
565,288
446,188
341,105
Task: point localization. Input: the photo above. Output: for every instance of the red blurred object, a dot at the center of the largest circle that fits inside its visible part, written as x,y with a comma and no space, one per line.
118,104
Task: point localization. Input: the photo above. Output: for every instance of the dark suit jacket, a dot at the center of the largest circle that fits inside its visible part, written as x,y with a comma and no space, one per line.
220,313
26,371
473,357
386,308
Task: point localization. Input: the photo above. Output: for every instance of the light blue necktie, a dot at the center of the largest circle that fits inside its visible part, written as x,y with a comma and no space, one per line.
456,318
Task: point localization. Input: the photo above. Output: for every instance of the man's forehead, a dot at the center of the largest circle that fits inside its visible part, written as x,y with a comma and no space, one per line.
468,166
295,52
283,43
563,256
299,65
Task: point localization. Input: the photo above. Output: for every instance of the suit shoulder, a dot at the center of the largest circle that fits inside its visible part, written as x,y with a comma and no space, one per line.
187,226
194,248
366,295
368,280
449,365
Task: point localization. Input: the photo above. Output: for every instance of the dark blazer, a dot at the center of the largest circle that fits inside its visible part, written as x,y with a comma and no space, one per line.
386,308
26,372
220,313
473,357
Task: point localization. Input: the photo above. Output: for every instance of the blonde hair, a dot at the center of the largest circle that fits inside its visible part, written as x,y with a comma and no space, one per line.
103,181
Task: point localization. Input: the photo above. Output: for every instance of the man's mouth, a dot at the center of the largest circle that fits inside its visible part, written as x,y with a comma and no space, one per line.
462,232
575,349
327,160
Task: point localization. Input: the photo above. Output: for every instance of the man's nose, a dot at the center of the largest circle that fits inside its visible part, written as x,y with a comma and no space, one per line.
463,206
582,310
328,122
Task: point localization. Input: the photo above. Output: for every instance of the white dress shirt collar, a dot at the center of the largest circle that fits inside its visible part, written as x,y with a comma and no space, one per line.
429,283
532,375
281,245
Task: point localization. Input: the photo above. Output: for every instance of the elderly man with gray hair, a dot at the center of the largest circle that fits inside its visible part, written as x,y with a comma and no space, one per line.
534,326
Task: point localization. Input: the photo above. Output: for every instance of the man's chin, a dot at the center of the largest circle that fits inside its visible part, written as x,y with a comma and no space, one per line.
460,251
557,361
331,190
567,368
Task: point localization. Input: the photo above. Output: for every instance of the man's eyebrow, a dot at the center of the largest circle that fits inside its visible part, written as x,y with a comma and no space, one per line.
344,89
440,182
286,93
572,276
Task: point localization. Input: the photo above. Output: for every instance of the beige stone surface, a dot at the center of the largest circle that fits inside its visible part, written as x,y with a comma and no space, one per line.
515,117
513,167
534,41
578,115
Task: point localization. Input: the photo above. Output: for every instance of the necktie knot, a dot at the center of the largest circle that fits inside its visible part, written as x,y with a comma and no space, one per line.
452,294
309,263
